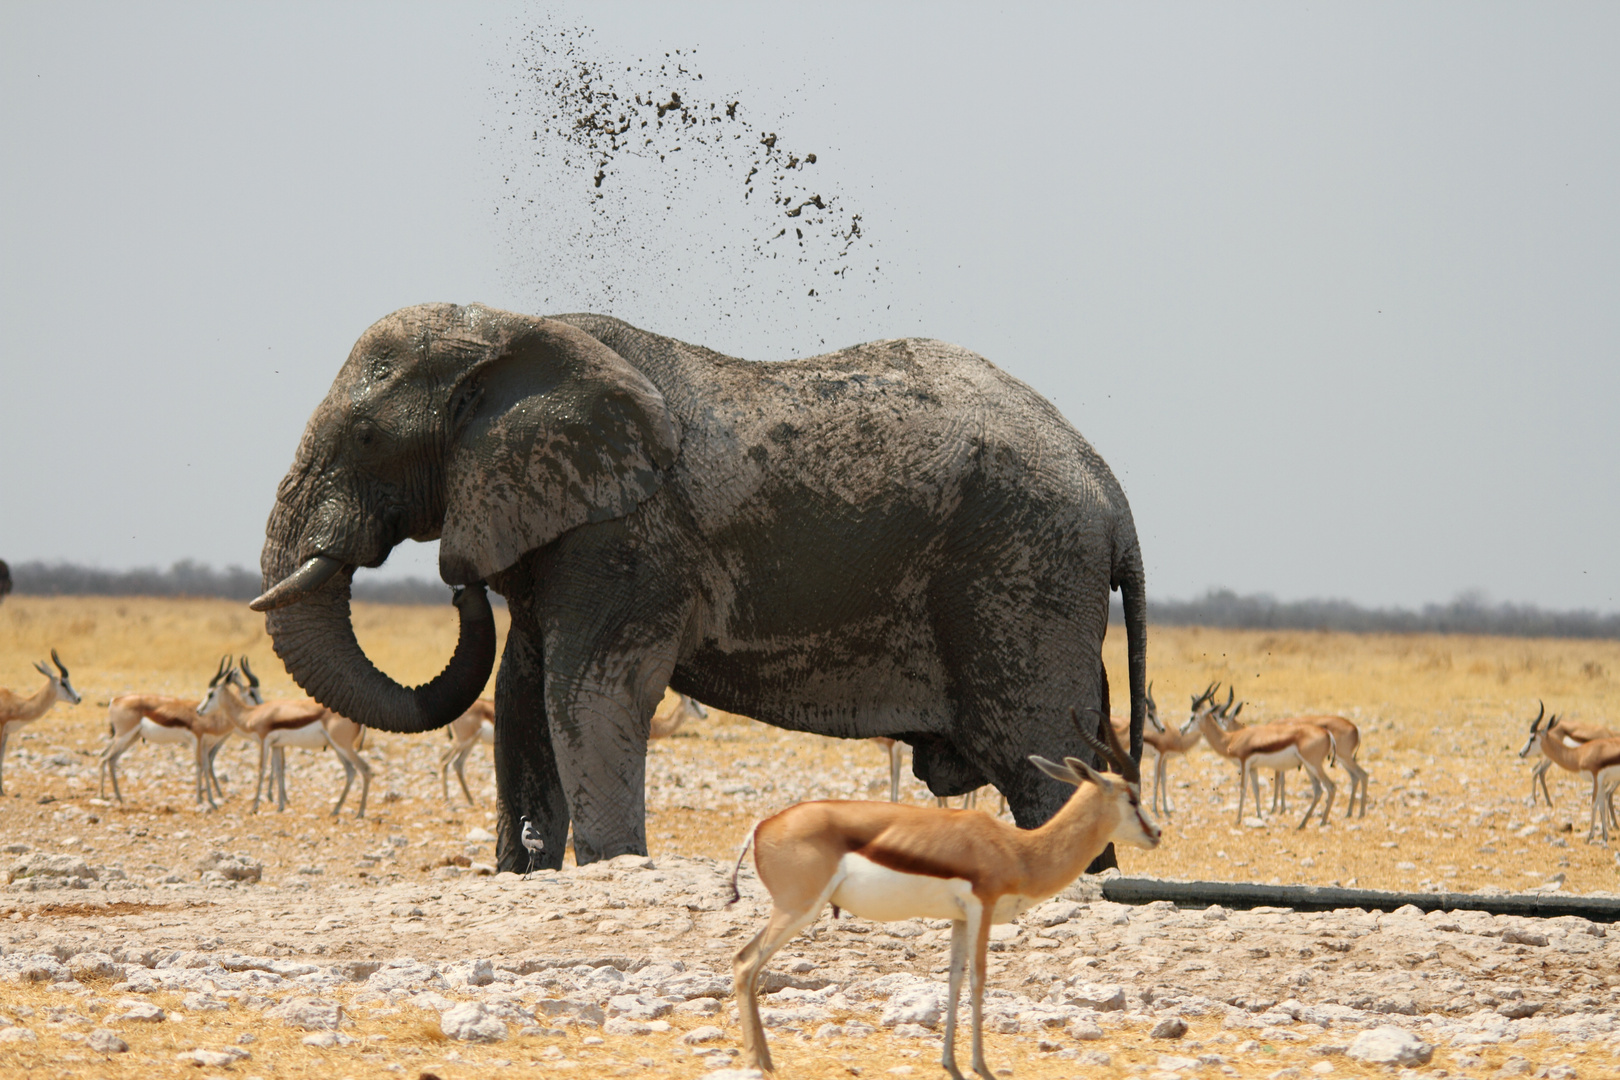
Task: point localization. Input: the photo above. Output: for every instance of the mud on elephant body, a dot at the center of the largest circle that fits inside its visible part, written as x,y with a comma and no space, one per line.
896,539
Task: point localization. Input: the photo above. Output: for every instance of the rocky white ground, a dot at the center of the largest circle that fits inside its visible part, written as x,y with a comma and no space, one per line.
486,971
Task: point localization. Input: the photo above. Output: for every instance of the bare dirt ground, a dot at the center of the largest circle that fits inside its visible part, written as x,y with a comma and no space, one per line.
119,911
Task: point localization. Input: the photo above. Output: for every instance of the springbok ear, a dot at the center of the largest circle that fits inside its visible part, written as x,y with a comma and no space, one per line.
1082,769
1056,771
551,430
39,666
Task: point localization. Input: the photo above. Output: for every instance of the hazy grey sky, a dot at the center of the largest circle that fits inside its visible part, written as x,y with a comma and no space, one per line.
1333,288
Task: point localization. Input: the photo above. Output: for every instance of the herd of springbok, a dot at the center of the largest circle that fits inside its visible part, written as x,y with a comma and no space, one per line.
233,705
1313,743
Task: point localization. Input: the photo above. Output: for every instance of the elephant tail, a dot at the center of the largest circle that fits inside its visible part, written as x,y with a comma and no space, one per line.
736,893
1132,582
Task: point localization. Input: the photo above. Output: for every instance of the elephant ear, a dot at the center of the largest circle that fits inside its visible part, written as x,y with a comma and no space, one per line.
550,430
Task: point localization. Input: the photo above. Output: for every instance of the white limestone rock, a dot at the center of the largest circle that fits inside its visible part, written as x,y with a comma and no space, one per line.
1389,1045
470,1021
1098,997
237,867
105,1041
141,1012
918,1005
308,1014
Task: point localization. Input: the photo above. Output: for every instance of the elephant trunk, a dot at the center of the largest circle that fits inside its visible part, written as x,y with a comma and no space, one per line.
314,636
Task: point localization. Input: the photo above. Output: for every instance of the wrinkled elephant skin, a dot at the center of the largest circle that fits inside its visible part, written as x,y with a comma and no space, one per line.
896,539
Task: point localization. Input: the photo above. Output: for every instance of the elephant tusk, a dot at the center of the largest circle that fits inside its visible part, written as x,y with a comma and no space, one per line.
299,584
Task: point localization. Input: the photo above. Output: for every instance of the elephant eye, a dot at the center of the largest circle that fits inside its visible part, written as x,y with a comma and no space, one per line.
366,434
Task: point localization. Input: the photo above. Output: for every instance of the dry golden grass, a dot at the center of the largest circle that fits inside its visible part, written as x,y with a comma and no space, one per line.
1444,716
116,645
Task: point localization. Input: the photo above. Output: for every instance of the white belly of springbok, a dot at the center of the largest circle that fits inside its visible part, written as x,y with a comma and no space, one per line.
876,892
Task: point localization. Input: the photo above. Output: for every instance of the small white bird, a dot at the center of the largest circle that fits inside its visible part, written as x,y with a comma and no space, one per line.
532,843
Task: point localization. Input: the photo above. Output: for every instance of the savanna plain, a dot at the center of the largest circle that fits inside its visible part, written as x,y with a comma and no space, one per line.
153,938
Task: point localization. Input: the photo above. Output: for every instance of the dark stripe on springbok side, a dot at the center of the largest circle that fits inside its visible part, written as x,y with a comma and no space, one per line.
907,863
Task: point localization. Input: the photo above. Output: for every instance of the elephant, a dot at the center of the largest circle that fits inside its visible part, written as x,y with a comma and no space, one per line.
896,539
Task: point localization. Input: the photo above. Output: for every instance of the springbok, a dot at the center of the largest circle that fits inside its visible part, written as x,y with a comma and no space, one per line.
1227,717
293,722
896,751
160,718
667,722
1577,732
1274,746
1600,758
1166,742
476,725
1346,743
889,861
17,712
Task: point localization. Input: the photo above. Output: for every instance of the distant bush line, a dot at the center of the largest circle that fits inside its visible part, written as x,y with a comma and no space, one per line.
187,578
1467,614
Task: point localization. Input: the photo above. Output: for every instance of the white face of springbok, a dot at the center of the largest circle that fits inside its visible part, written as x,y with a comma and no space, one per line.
1533,747
1132,825
1201,704
60,683
215,689
250,691
1153,711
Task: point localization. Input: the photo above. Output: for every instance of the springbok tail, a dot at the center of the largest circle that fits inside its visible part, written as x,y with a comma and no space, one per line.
1333,749
736,893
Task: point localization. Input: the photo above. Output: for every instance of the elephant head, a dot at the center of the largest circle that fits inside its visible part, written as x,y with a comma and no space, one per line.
491,432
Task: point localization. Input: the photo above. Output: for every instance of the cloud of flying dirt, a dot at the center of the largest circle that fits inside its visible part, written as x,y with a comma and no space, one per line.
637,188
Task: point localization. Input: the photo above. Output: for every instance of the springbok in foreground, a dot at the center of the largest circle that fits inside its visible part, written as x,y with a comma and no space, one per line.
1274,746
1600,758
17,712
889,861
1577,732
476,725
160,718
667,722
293,723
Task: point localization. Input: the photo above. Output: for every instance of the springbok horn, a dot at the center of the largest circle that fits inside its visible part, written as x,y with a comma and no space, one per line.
1110,751
1535,725
1104,755
58,662
315,572
253,680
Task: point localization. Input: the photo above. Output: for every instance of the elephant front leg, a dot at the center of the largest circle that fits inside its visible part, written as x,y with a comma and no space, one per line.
526,779
601,743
